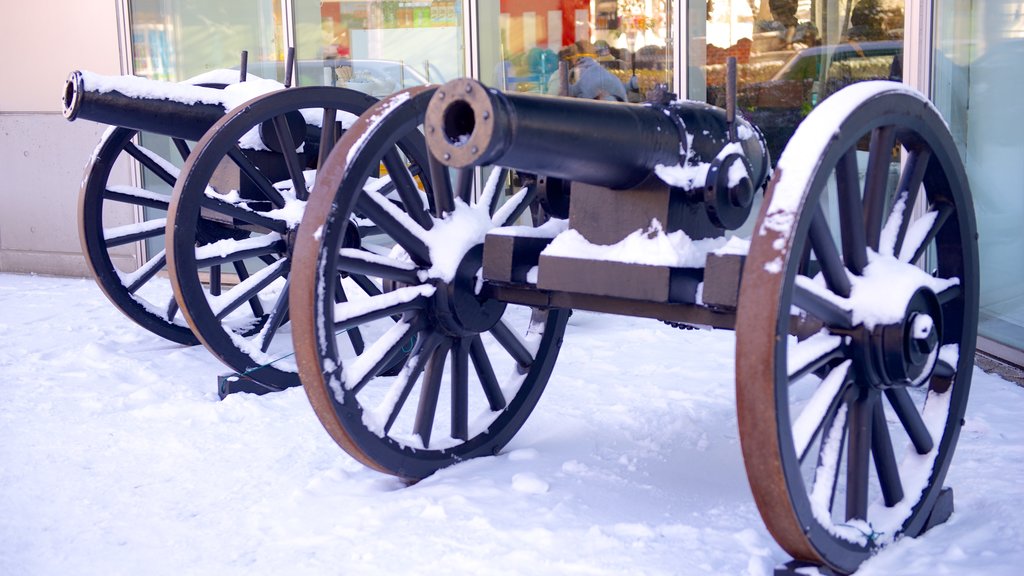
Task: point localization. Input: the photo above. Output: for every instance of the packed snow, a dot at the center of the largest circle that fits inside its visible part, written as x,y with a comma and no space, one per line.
116,457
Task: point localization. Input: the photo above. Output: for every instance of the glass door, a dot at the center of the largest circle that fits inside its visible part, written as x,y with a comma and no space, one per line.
978,63
379,46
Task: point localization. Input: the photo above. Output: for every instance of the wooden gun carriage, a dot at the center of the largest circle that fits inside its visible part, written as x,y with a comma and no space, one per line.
854,300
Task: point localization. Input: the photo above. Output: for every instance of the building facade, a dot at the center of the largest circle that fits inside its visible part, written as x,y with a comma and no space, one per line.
966,55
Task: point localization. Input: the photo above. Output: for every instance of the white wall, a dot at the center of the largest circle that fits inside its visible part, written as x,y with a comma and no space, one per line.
42,156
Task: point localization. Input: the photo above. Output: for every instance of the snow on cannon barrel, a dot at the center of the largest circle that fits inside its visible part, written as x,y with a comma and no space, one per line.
691,145
678,171
176,110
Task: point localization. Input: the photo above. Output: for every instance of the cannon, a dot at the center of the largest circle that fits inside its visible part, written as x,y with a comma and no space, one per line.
227,160
854,301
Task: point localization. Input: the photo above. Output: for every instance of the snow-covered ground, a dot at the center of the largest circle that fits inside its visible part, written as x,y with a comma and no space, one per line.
116,457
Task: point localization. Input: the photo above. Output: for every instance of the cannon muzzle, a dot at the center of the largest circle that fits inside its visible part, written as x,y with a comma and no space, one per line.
609,144
175,110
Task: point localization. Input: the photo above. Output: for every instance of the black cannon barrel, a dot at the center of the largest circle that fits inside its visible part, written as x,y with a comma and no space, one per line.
149,110
609,144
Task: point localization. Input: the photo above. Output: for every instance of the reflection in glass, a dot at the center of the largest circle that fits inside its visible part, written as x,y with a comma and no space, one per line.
978,63
791,54
379,47
610,50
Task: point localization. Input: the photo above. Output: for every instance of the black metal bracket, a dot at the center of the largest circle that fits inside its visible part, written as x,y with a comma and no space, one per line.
232,383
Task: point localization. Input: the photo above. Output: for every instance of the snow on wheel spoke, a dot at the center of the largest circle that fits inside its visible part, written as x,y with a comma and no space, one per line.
814,411
808,355
353,313
921,233
359,372
245,290
128,233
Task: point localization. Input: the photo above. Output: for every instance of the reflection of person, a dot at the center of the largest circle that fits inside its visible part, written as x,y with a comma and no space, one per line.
594,82
784,12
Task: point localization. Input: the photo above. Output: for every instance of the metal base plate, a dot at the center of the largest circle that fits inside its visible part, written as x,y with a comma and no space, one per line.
232,383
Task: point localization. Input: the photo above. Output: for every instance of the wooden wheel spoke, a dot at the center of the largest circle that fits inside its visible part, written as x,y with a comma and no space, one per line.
460,389
832,267
923,232
147,271
152,162
218,253
885,459
263,184
484,371
851,212
824,400
182,147
910,184
382,306
464,185
398,225
812,354
808,298
492,189
858,457
407,190
248,289
137,197
354,261
384,351
950,294
830,455
291,157
355,335
129,233
512,344
430,390
172,309
911,419
441,186
328,134
883,139
245,215
277,317
366,285
421,356
215,278
514,208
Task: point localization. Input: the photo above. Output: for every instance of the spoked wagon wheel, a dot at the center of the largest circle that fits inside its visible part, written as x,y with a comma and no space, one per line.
476,367
856,328
252,172
144,295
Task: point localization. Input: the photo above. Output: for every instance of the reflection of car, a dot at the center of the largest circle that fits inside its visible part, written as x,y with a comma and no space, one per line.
377,77
776,106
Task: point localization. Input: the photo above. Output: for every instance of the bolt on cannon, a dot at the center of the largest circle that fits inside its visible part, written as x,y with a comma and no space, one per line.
854,300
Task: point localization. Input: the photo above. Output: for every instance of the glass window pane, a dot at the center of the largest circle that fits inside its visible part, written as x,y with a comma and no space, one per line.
791,54
978,63
379,47
177,39
614,50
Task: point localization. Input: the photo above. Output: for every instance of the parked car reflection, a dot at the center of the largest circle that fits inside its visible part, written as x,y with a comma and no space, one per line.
778,105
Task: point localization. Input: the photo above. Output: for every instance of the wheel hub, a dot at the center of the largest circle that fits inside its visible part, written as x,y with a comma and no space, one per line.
904,353
459,309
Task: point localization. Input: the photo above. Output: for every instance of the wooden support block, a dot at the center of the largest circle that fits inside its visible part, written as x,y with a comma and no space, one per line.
619,279
509,258
606,216
722,275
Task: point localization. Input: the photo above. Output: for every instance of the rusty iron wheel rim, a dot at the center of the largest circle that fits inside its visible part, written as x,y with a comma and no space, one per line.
244,345
763,385
338,194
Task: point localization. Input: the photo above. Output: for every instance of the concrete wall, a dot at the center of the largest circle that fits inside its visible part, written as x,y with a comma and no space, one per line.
42,156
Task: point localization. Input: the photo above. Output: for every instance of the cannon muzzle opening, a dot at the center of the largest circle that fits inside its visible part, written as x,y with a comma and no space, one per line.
71,98
611,144
461,124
